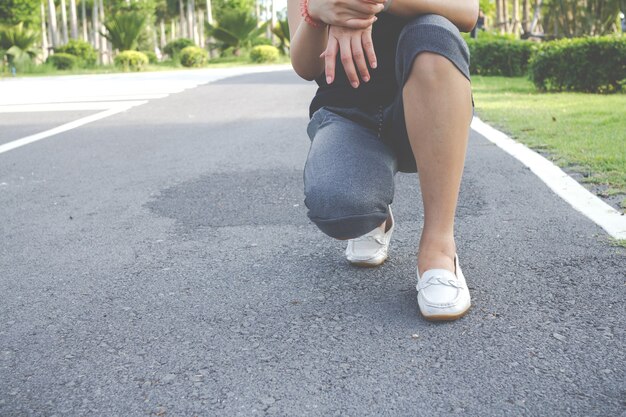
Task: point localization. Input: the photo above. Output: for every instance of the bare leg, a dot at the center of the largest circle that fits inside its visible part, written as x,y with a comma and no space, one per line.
438,111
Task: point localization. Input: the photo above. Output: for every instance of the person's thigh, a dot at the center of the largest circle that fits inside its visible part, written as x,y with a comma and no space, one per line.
349,172
426,33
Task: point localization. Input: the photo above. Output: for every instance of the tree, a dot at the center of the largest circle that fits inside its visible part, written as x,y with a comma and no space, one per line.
236,29
124,30
18,43
572,18
281,30
13,12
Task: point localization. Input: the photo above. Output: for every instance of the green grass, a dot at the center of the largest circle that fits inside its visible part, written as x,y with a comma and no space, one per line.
47,69
585,133
619,243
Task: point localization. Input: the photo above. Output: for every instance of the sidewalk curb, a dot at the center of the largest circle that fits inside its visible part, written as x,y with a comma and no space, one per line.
581,199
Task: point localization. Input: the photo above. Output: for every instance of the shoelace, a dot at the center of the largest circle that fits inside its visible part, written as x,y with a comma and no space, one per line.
441,281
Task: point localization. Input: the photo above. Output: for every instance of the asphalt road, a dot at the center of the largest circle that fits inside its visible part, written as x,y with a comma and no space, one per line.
160,262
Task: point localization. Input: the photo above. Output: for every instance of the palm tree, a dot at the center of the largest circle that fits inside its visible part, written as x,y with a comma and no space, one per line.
17,44
124,30
236,29
281,30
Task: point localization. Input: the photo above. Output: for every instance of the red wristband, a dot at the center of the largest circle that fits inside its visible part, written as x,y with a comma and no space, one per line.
304,11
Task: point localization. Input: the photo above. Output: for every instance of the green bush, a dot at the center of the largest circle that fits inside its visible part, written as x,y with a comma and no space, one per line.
495,55
63,61
260,41
592,65
173,48
193,56
82,50
264,53
152,57
131,60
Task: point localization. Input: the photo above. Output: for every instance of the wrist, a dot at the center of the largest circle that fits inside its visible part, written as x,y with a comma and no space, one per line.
310,18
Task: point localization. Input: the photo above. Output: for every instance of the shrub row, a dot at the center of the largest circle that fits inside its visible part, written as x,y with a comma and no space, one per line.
499,57
591,65
596,65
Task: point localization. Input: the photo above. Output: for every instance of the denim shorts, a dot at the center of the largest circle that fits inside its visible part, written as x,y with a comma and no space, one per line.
355,152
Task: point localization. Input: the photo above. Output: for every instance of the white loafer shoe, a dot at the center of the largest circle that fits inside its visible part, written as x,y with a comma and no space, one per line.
442,295
372,248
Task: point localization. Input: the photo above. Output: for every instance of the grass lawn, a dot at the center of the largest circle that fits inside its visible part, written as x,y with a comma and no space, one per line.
583,133
47,70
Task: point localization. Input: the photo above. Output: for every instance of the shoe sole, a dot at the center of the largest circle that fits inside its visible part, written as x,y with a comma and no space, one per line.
366,264
446,317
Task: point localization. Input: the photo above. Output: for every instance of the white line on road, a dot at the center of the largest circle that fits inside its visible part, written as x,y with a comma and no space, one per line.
562,184
68,126
98,92
70,106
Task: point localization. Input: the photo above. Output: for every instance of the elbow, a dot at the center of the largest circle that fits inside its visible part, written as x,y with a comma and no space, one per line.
470,17
305,72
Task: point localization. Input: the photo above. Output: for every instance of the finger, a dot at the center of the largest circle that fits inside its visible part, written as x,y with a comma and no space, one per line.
359,57
360,23
347,62
368,48
330,56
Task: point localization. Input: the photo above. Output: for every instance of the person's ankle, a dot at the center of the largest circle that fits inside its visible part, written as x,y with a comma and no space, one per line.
436,254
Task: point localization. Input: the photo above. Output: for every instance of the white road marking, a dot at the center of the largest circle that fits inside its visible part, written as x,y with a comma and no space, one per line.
76,106
68,126
562,184
113,93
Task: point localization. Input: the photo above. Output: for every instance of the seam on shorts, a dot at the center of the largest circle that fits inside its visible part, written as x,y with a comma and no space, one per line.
429,48
354,216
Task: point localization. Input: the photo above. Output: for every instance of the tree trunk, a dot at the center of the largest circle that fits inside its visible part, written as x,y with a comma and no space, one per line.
95,26
515,27
162,40
173,30
191,21
536,15
505,16
64,21
526,16
104,46
52,22
201,29
83,12
44,37
499,24
268,14
273,21
209,12
73,20
183,25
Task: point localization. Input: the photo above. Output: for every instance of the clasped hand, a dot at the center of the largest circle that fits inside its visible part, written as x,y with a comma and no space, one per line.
350,35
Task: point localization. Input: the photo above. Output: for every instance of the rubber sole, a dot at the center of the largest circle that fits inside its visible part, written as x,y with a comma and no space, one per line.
446,317
365,264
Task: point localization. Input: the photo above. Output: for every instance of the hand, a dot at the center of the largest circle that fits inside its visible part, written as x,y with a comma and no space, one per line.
355,14
354,45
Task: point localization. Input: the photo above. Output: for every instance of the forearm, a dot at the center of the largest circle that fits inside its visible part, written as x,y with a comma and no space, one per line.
306,45
462,13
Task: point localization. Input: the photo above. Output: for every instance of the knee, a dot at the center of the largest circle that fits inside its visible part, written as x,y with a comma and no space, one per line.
430,69
343,214
430,48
